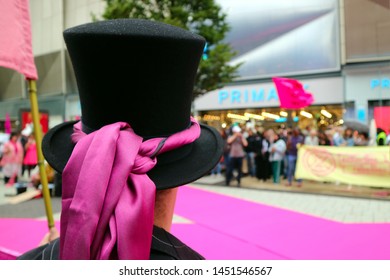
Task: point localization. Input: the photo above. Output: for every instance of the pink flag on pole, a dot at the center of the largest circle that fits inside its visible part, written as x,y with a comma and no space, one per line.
291,94
15,38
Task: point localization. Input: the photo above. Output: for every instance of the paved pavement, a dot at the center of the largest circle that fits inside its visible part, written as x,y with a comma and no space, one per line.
349,204
338,202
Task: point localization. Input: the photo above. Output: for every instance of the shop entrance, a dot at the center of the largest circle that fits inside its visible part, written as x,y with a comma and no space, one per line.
318,117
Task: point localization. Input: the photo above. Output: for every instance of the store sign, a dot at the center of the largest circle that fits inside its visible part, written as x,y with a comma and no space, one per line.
264,95
380,83
246,96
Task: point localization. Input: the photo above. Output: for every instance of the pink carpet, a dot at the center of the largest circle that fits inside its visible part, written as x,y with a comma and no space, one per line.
239,229
20,235
227,228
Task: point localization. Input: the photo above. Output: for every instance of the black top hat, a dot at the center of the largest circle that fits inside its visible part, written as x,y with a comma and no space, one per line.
140,72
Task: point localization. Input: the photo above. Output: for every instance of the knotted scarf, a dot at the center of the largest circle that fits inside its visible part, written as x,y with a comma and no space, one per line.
108,199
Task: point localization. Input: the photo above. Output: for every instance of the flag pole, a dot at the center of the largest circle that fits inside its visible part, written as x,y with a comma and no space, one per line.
41,162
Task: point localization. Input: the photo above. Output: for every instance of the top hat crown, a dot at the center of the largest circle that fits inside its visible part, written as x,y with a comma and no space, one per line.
140,72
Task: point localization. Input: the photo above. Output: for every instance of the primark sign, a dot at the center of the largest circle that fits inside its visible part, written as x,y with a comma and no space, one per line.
254,95
383,83
264,95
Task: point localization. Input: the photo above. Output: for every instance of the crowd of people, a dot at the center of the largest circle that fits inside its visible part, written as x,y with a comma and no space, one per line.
272,153
267,153
18,155
18,159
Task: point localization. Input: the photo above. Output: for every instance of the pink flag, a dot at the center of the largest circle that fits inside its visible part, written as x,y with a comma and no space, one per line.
381,116
15,38
292,94
7,124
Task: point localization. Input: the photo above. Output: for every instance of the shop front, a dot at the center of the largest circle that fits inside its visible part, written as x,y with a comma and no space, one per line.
368,94
51,112
259,103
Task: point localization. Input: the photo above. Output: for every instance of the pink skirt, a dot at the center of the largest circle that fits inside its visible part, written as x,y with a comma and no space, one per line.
31,157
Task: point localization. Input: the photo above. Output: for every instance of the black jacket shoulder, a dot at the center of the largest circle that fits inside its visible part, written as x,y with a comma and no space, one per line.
165,246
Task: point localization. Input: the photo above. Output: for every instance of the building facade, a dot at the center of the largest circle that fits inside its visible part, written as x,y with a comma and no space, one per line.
56,84
338,49
366,69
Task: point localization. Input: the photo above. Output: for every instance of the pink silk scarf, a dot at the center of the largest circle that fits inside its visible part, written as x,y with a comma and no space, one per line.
108,199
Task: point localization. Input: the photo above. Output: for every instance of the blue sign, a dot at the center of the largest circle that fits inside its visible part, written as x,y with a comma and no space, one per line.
236,96
380,83
361,114
281,120
242,96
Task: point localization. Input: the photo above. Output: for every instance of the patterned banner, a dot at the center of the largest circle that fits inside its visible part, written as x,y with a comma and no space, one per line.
365,166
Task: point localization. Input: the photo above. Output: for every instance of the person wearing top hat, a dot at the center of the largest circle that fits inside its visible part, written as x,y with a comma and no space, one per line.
135,144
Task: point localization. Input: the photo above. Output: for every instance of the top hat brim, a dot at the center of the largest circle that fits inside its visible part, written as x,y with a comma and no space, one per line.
196,161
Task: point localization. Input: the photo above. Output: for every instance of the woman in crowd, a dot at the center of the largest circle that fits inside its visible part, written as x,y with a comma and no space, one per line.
263,165
237,144
253,148
277,151
348,137
30,159
362,139
12,159
323,139
293,143
312,138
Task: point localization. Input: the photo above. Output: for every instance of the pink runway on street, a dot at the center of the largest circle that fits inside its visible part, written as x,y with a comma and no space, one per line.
227,228
20,235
